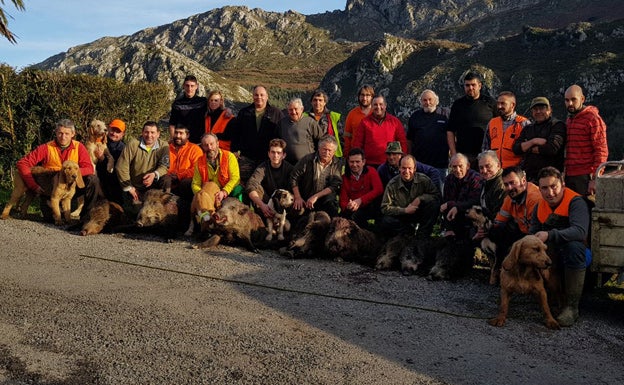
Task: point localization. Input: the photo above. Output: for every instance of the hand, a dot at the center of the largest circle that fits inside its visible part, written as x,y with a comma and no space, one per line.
99,153
135,196
591,187
538,141
299,203
148,179
228,113
220,196
451,214
542,236
481,233
410,209
443,207
266,210
39,190
354,205
311,201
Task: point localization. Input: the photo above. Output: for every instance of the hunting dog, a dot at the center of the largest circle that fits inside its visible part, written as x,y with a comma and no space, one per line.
43,177
202,207
96,140
281,200
64,189
527,270
482,222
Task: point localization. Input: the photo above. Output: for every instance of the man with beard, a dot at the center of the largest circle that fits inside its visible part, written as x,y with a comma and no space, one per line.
189,109
329,121
542,143
514,217
183,156
503,130
115,144
355,116
376,130
300,132
426,133
462,190
561,220
586,146
317,178
142,165
409,201
468,119
218,167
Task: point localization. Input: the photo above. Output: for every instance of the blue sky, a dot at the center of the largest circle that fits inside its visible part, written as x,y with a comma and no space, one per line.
47,27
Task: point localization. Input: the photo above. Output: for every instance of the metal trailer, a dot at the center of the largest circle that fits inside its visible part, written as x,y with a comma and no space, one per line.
607,225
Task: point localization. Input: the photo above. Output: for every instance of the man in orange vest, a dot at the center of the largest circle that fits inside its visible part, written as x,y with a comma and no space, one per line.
561,220
219,169
183,156
502,131
217,118
52,154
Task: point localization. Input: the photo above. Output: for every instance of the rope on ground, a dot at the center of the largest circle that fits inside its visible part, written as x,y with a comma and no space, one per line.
287,290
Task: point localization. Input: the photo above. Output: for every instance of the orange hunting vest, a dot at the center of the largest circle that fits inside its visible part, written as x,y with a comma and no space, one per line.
223,173
54,161
502,143
559,217
218,128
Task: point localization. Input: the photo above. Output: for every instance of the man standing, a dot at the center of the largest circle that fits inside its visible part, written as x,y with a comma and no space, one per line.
586,146
189,110
409,200
51,156
329,121
376,130
270,175
426,133
316,179
115,144
300,132
218,117
183,156
360,194
468,120
142,165
542,143
504,130
252,130
359,112
561,220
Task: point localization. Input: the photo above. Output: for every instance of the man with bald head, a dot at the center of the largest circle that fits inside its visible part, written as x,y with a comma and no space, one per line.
586,146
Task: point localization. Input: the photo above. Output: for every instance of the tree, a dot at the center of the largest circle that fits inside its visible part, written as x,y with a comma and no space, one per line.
4,21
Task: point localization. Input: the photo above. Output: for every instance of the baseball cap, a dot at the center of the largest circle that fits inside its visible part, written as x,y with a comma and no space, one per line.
540,100
118,123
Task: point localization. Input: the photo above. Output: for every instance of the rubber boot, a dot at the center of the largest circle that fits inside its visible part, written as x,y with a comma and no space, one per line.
573,284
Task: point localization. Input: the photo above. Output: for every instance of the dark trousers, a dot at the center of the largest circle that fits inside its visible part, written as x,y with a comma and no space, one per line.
425,217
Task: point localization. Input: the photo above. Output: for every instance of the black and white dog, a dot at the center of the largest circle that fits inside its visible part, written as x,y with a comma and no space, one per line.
481,221
281,200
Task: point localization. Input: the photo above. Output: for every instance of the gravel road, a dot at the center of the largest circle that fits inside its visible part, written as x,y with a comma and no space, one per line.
115,309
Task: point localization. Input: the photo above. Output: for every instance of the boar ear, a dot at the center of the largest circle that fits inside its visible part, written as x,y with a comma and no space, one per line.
243,210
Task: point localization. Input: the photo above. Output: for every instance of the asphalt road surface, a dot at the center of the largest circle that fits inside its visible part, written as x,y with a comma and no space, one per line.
113,309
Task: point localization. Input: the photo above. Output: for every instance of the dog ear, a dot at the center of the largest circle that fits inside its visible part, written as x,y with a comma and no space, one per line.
79,181
511,259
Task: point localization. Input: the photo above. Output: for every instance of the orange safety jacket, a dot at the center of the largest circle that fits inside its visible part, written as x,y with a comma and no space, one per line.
218,128
223,175
502,142
559,217
54,157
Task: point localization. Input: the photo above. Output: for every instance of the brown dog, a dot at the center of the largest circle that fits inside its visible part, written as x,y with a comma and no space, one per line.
482,222
65,183
96,140
21,190
202,207
526,270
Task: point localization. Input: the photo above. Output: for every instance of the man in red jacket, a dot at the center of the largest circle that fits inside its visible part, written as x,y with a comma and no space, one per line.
586,146
360,195
376,130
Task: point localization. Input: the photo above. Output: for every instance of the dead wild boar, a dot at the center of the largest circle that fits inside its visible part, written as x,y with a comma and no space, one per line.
235,222
309,236
104,216
347,241
159,208
453,259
